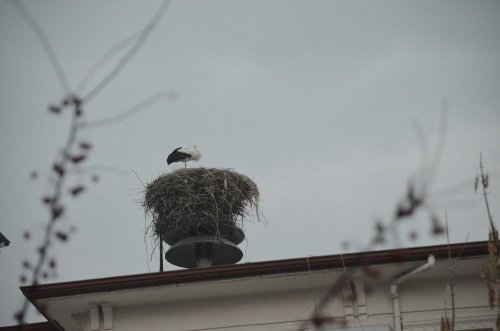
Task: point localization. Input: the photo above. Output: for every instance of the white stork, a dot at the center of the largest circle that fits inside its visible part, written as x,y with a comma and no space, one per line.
184,154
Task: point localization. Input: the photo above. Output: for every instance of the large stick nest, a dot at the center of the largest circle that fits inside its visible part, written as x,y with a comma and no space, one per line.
200,201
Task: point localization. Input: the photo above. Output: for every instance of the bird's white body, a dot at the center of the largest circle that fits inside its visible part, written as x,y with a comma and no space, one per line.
184,154
191,150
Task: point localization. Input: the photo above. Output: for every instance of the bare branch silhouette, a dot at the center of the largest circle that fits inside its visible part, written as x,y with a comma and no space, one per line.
318,319
54,203
107,56
424,142
131,52
484,184
42,37
441,141
414,200
491,272
74,152
100,168
139,178
130,112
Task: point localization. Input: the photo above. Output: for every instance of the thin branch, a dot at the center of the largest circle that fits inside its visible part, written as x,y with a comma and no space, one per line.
414,200
490,270
55,209
441,142
447,235
146,242
455,189
139,178
453,264
332,291
128,113
93,168
131,52
311,287
112,51
319,320
47,48
61,165
424,143
429,171
485,186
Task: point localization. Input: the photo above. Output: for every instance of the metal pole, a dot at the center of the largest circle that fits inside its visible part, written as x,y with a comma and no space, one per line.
204,254
161,252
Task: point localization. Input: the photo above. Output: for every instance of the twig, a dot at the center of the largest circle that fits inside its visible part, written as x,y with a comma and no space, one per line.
447,235
55,207
100,168
490,270
441,142
47,48
104,58
139,178
145,241
429,175
128,113
311,287
131,52
317,319
484,184
414,200
61,166
352,287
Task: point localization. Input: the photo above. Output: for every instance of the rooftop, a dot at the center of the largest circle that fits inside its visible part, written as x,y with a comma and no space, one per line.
228,279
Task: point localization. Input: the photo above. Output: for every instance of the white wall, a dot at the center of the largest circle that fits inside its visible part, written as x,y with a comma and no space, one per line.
423,303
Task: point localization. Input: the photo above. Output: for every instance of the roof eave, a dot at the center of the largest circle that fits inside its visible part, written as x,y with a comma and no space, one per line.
462,250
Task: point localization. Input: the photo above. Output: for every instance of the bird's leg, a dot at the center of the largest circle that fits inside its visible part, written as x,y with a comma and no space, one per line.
185,165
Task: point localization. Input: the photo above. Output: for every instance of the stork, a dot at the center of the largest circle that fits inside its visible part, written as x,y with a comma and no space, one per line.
184,154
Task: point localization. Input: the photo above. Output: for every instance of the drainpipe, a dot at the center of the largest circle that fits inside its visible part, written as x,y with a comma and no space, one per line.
401,279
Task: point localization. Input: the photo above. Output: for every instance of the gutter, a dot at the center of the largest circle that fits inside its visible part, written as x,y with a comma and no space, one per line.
255,269
394,289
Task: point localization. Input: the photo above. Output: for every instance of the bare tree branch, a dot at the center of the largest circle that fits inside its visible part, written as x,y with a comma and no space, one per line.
100,168
128,113
114,49
441,142
54,204
424,142
129,55
414,200
490,272
484,184
71,155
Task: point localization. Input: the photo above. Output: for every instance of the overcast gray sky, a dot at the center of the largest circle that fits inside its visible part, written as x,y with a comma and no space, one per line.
315,100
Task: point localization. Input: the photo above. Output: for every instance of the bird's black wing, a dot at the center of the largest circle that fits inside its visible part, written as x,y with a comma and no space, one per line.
177,156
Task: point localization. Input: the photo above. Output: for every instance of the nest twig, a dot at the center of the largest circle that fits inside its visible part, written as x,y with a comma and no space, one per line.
200,201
